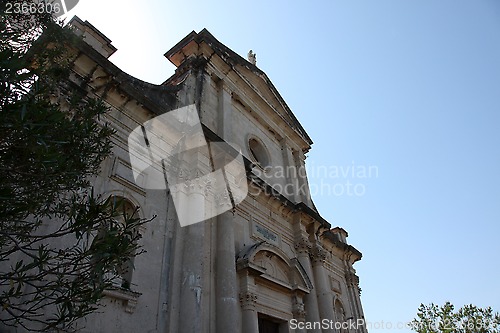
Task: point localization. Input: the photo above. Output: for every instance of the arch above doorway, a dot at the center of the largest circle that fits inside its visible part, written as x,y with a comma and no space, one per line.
272,264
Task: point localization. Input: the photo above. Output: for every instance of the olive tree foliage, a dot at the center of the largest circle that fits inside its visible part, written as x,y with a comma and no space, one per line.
445,319
61,246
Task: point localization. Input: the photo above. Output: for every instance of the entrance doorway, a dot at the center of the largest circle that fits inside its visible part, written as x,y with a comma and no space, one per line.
269,324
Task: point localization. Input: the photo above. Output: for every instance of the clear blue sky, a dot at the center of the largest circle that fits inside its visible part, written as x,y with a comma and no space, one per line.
411,87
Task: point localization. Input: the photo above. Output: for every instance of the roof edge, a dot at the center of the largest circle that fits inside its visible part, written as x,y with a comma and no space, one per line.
227,55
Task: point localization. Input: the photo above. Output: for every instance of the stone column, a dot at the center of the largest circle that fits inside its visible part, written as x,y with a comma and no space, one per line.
353,291
227,314
226,284
193,295
310,300
224,129
190,307
250,320
323,290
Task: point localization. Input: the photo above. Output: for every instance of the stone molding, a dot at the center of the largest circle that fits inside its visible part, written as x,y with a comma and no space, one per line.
128,297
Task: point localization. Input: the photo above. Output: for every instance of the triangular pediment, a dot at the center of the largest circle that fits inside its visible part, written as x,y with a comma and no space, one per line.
204,44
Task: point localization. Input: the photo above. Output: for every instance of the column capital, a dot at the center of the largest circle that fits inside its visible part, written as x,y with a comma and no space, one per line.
303,245
318,254
248,300
200,185
352,279
223,199
298,309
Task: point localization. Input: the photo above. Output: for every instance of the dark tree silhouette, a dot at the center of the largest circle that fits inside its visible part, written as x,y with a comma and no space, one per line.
60,246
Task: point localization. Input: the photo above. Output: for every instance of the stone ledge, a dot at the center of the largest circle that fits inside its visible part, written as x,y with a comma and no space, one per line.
128,297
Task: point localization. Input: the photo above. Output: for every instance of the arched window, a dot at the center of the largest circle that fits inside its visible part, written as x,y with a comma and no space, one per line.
122,210
125,211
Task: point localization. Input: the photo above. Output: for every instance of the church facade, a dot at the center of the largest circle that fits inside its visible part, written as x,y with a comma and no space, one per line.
267,263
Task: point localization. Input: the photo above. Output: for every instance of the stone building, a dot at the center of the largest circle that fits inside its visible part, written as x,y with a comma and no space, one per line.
266,263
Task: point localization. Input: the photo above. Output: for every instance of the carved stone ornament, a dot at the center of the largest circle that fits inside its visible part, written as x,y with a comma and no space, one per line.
252,57
298,309
318,254
248,299
198,185
222,198
303,245
352,279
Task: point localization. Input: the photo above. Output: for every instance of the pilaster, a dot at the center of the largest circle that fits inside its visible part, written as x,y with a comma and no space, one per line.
298,311
224,129
353,289
303,184
250,321
226,281
303,248
291,171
